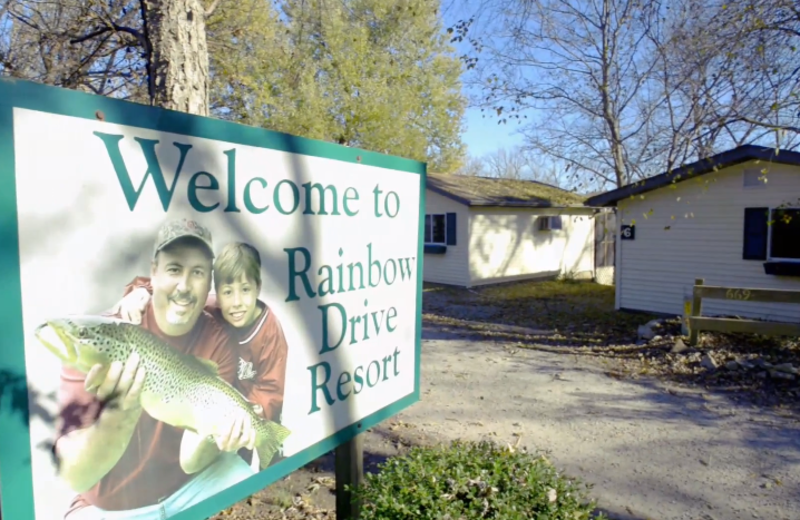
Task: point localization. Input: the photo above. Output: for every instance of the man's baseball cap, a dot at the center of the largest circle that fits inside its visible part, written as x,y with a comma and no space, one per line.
172,231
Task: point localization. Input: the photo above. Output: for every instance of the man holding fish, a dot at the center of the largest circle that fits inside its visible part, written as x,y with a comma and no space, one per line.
124,463
260,346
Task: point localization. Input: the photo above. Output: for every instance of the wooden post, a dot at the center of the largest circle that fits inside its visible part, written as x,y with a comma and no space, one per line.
697,303
349,469
687,310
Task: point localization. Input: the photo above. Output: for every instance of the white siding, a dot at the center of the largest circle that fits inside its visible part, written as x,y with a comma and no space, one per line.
505,244
704,240
452,267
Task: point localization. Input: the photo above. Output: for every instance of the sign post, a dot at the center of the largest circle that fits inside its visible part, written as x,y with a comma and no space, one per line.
349,472
169,280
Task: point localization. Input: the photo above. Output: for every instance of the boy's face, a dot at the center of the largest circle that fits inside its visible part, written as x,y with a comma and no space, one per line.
237,301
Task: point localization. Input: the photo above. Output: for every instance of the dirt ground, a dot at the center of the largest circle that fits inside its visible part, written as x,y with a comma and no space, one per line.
661,435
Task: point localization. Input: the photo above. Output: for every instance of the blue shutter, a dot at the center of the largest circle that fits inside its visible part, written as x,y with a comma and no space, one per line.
427,228
451,229
755,233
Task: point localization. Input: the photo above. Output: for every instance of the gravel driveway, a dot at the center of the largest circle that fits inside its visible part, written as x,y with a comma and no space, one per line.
651,451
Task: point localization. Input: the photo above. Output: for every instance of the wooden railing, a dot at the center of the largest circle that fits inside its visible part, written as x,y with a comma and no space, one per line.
697,323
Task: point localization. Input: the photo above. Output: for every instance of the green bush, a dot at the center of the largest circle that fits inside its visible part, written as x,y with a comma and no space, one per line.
466,481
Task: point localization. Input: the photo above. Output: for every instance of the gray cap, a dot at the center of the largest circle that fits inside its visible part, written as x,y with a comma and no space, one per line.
172,231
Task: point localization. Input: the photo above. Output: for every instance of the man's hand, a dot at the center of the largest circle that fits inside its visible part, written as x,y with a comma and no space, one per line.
131,306
89,453
121,384
240,434
198,450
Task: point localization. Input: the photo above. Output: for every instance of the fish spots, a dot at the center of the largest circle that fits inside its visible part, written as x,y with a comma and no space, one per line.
198,399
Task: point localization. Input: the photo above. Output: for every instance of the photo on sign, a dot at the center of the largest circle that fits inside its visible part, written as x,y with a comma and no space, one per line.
198,313
170,390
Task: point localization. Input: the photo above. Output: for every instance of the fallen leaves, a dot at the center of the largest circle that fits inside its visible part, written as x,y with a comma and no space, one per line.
578,318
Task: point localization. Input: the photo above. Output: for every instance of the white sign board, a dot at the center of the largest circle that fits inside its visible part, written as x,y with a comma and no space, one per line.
293,265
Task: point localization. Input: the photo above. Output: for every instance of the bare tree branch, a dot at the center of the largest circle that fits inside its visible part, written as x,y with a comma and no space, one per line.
211,8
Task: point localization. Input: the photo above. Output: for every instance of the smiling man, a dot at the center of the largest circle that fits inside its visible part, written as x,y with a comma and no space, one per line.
123,463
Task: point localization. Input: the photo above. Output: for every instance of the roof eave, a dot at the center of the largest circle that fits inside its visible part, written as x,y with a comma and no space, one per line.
706,166
473,203
526,205
449,195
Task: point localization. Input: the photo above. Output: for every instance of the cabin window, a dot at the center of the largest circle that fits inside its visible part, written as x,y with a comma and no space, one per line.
550,223
784,234
436,229
771,233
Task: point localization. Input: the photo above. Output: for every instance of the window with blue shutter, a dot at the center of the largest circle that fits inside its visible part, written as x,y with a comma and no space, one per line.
756,229
436,228
785,230
437,233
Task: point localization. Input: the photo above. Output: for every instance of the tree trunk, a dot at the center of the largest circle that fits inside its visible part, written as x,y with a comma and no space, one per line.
175,31
610,113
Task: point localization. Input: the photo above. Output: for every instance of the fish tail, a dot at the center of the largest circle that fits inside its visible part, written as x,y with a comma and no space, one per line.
269,439
68,354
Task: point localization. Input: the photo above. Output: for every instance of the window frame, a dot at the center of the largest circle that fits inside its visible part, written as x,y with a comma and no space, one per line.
770,229
548,219
430,228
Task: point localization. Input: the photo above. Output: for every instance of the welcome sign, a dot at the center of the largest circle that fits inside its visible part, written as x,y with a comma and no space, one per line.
192,309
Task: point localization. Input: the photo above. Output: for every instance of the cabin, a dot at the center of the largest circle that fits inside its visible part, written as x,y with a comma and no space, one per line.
482,230
732,219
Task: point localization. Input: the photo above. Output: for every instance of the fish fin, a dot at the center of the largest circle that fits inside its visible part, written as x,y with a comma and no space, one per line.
282,432
211,366
268,445
266,452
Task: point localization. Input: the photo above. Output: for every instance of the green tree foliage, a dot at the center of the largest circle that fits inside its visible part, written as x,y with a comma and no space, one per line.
366,73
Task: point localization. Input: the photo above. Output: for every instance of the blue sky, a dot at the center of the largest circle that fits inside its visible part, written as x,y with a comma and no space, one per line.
484,135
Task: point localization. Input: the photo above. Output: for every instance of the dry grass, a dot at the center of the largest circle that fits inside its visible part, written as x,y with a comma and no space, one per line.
571,317
572,311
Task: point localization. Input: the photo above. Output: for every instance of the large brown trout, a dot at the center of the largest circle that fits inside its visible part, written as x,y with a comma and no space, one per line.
179,389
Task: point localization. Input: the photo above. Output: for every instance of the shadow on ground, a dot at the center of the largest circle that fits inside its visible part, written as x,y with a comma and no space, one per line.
647,444
578,319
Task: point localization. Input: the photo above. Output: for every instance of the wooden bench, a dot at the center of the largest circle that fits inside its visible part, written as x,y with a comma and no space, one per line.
697,323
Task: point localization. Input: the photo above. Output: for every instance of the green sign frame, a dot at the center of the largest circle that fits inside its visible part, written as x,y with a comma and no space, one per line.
16,476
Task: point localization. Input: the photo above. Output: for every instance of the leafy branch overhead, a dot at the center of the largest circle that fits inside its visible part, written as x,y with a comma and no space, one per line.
364,73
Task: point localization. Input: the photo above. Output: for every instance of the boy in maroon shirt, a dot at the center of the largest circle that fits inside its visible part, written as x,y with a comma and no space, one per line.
261,347
124,463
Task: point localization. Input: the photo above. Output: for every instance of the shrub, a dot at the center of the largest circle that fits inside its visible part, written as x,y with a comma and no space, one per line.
466,481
